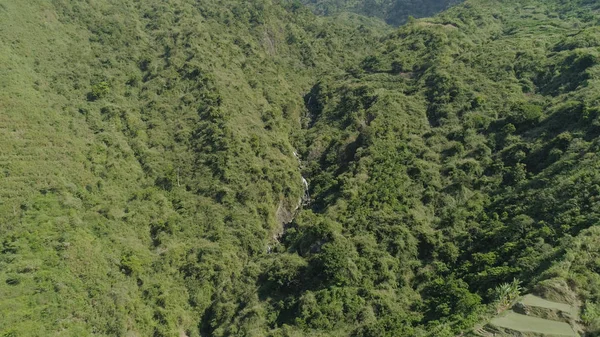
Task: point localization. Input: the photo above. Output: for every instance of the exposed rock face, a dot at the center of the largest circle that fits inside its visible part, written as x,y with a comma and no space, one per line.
520,308
286,210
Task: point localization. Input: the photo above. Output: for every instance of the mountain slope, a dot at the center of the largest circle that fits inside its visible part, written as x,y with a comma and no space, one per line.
150,184
460,156
146,149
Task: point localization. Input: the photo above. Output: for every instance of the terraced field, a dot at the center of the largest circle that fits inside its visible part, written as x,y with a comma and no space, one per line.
559,320
535,301
523,323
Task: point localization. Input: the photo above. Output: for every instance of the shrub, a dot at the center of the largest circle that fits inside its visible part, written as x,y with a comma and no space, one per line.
99,90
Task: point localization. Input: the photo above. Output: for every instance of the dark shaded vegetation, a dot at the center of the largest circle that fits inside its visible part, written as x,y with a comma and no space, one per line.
394,12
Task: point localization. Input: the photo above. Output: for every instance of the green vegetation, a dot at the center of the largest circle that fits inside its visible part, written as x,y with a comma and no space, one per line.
526,324
535,301
394,12
149,184
535,316
507,294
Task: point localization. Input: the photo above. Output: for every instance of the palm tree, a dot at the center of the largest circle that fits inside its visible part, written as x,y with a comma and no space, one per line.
503,293
515,289
506,293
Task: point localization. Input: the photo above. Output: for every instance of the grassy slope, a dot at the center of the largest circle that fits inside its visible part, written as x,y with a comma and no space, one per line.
540,302
533,324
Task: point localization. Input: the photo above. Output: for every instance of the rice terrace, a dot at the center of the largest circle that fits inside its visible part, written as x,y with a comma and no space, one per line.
536,317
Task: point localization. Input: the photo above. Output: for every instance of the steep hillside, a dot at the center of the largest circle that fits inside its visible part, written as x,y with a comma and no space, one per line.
152,160
146,150
459,156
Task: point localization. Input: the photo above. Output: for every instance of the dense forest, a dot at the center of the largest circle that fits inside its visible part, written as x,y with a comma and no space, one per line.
394,12
249,168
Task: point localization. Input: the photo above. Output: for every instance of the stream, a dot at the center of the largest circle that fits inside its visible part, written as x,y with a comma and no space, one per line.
302,202
305,199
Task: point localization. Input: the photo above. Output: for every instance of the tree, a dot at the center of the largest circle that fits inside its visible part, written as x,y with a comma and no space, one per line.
99,90
507,293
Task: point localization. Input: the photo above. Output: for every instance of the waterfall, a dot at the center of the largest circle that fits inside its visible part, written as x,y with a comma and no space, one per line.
306,197
287,215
